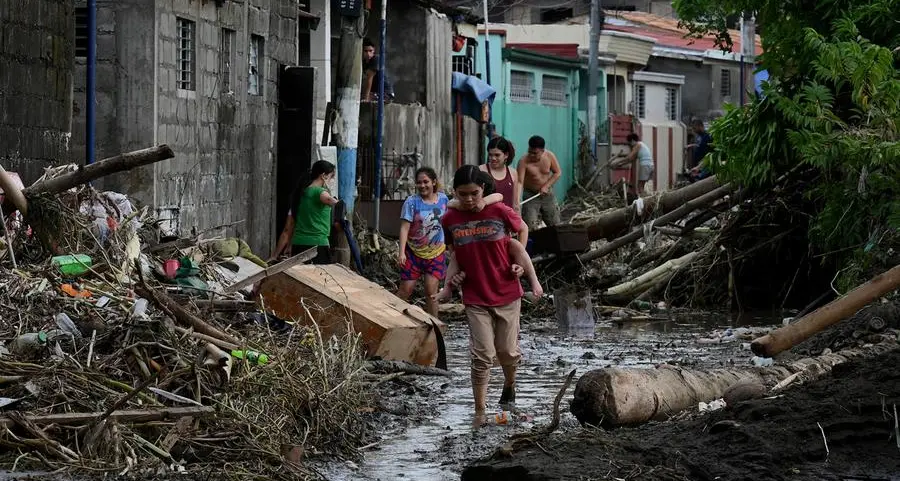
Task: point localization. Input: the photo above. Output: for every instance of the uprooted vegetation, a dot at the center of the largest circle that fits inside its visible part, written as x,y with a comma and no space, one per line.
118,369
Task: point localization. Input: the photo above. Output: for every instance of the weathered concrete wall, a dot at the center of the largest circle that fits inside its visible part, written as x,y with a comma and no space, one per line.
406,46
36,51
224,168
697,93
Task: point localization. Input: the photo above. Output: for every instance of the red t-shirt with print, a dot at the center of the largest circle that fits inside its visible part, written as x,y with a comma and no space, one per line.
480,243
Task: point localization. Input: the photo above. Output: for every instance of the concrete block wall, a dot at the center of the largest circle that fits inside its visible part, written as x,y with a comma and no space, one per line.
223,172
36,48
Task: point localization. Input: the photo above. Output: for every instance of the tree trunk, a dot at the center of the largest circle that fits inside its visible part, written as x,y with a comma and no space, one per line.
627,396
650,278
789,336
100,169
664,219
610,224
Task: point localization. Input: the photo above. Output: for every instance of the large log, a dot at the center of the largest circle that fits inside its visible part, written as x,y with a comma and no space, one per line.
673,215
628,396
100,169
611,224
789,336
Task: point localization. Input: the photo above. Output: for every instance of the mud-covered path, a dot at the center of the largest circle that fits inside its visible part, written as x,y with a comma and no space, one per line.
432,439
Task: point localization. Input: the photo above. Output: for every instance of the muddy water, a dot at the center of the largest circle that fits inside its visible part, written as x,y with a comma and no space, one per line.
437,441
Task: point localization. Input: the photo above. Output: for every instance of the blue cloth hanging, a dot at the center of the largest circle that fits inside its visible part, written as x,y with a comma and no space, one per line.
471,92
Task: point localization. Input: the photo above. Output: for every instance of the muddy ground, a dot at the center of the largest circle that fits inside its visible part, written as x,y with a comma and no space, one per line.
841,427
425,423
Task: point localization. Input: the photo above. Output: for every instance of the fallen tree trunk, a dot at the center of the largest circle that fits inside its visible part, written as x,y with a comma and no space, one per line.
789,336
610,224
650,278
100,169
671,216
627,396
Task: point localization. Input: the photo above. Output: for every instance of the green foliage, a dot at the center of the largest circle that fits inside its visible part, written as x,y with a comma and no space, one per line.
831,106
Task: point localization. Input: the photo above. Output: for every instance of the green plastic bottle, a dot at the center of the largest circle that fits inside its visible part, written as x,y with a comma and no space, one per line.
72,265
252,357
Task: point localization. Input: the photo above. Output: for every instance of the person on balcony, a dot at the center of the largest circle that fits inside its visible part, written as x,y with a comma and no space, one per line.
371,75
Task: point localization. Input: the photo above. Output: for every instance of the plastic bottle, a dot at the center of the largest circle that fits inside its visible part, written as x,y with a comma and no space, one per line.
66,324
252,357
140,308
501,417
29,344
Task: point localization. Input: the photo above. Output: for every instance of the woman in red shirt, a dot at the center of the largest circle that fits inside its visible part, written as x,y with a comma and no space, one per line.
491,290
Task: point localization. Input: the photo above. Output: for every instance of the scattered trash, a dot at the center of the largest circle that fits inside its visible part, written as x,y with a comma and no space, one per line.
711,406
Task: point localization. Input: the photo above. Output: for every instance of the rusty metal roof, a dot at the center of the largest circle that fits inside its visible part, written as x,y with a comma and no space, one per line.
667,32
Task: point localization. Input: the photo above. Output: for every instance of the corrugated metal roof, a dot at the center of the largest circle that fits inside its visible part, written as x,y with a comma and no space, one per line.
564,50
666,31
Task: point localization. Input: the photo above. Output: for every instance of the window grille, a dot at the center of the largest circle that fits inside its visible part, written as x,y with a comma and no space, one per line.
672,103
186,54
640,101
554,91
226,53
255,76
521,86
81,32
725,88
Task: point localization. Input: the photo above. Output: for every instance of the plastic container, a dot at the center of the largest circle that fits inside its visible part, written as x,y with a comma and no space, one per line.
72,265
140,307
252,357
501,417
170,268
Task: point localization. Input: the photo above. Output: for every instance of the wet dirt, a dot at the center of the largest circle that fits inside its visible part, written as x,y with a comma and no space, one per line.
840,427
428,434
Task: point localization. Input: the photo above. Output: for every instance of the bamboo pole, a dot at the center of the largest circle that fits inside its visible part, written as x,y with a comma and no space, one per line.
789,336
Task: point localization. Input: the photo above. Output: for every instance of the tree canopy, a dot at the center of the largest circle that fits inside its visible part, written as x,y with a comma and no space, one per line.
829,110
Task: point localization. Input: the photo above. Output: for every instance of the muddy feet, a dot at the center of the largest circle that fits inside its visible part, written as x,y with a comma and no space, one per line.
479,420
508,397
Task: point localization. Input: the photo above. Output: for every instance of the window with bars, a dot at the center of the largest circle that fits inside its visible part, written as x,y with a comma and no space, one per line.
463,64
521,86
640,101
226,60
255,75
673,100
554,91
81,32
725,79
186,56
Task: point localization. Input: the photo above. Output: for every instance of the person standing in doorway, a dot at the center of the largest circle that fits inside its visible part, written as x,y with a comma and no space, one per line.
537,171
371,75
308,223
422,242
491,289
506,181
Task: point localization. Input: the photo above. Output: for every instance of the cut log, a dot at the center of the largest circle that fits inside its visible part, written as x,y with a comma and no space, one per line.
120,416
100,169
611,224
628,396
798,331
672,216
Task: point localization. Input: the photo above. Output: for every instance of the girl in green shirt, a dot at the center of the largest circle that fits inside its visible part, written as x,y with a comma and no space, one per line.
308,223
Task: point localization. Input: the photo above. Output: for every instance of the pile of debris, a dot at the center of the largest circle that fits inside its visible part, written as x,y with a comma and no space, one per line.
125,355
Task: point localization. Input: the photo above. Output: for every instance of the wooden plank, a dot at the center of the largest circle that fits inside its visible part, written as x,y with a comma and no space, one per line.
128,416
300,258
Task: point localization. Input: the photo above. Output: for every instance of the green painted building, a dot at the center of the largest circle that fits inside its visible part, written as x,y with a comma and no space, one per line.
542,94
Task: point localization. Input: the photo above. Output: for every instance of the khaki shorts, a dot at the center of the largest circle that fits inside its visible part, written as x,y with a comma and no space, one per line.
493,332
543,208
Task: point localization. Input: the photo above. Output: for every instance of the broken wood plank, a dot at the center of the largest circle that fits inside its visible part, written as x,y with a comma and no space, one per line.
126,416
100,169
389,367
282,266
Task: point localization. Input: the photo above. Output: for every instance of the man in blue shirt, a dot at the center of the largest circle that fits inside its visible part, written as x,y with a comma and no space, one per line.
371,74
699,149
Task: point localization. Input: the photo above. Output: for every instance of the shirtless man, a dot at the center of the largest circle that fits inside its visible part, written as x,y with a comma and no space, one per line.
538,170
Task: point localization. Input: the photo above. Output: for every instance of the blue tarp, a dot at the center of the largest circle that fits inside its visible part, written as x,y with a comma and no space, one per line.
759,78
472,91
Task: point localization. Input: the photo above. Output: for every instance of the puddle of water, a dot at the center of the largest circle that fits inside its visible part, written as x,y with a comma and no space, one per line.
437,448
